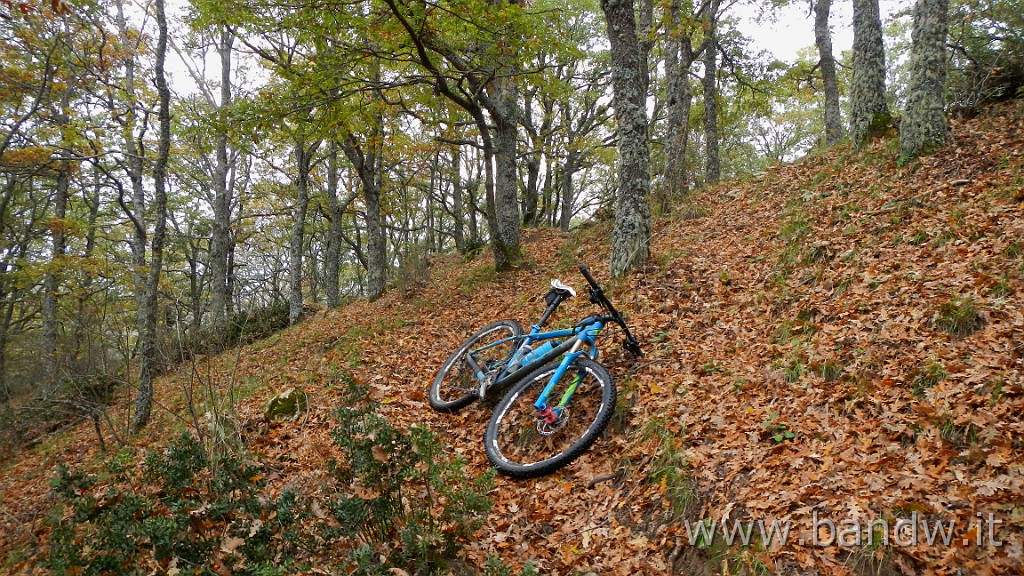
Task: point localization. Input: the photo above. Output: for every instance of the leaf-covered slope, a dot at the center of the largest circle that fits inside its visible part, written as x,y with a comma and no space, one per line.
800,363
797,352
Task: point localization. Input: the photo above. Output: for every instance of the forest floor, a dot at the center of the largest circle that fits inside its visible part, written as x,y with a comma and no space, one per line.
811,358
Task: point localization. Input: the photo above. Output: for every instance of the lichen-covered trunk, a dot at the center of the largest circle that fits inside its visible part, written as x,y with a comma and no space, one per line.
712,162
51,281
645,39
219,240
473,205
869,113
827,62
134,166
376,241
332,256
459,227
678,59
505,233
531,194
295,242
631,233
5,324
365,158
148,349
924,128
570,167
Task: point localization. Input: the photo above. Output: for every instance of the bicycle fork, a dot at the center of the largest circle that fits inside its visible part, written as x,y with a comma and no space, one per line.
550,415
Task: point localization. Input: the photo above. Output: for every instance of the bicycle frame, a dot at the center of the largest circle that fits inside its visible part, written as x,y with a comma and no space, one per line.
579,338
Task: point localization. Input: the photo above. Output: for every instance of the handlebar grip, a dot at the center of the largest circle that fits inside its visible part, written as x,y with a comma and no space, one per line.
598,293
586,274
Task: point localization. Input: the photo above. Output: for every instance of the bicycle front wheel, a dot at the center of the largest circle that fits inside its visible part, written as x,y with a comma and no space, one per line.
521,445
455,385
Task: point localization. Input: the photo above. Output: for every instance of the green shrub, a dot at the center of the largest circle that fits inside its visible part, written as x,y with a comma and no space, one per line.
187,510
830,371
670,468
399,502
495,567
398,494
241,328
473,247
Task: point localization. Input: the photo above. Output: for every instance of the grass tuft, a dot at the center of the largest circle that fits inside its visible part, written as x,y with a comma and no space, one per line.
959,317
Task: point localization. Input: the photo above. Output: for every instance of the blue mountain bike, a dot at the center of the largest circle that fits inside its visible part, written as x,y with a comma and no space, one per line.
559,397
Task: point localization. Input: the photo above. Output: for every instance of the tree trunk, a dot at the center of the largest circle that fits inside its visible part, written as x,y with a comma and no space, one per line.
923,128
332,258
84,322
148,351
645,40
459,230
473,208
302,162
531,194
570,167
631,234
712,163
134,166
219,240
869,114
51,282
7,300
827,62
365,159
505,220
678,59
376,242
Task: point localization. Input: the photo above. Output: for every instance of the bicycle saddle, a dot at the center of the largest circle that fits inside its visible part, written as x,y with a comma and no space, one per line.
559,285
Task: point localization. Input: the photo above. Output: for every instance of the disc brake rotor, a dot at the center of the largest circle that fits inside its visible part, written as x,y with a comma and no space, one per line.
546,429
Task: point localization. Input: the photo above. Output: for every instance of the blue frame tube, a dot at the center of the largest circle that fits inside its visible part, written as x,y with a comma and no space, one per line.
586,337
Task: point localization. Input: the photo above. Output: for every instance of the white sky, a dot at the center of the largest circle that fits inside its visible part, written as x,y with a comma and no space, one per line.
793,28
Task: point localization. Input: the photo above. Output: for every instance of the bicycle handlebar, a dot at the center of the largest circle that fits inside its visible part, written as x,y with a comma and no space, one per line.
597,296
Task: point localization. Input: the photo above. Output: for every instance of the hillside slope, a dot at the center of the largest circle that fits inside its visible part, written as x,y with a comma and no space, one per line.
811,355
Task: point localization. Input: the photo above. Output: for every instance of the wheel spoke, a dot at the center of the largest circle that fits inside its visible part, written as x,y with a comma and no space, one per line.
459,380
524,439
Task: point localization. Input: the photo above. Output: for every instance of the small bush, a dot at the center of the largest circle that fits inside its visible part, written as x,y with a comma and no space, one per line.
413,272
819,253
793,370
959,317
670,469
399,496
495,567
473,247
1002,288
689,210
186,514
241,328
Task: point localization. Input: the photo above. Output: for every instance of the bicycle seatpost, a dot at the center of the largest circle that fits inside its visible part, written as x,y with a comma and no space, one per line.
550,309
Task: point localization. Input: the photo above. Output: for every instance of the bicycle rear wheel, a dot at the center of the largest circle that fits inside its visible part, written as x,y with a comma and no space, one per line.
520,445
455,385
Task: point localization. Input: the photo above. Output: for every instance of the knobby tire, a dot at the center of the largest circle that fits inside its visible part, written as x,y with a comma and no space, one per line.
455,386
514,444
